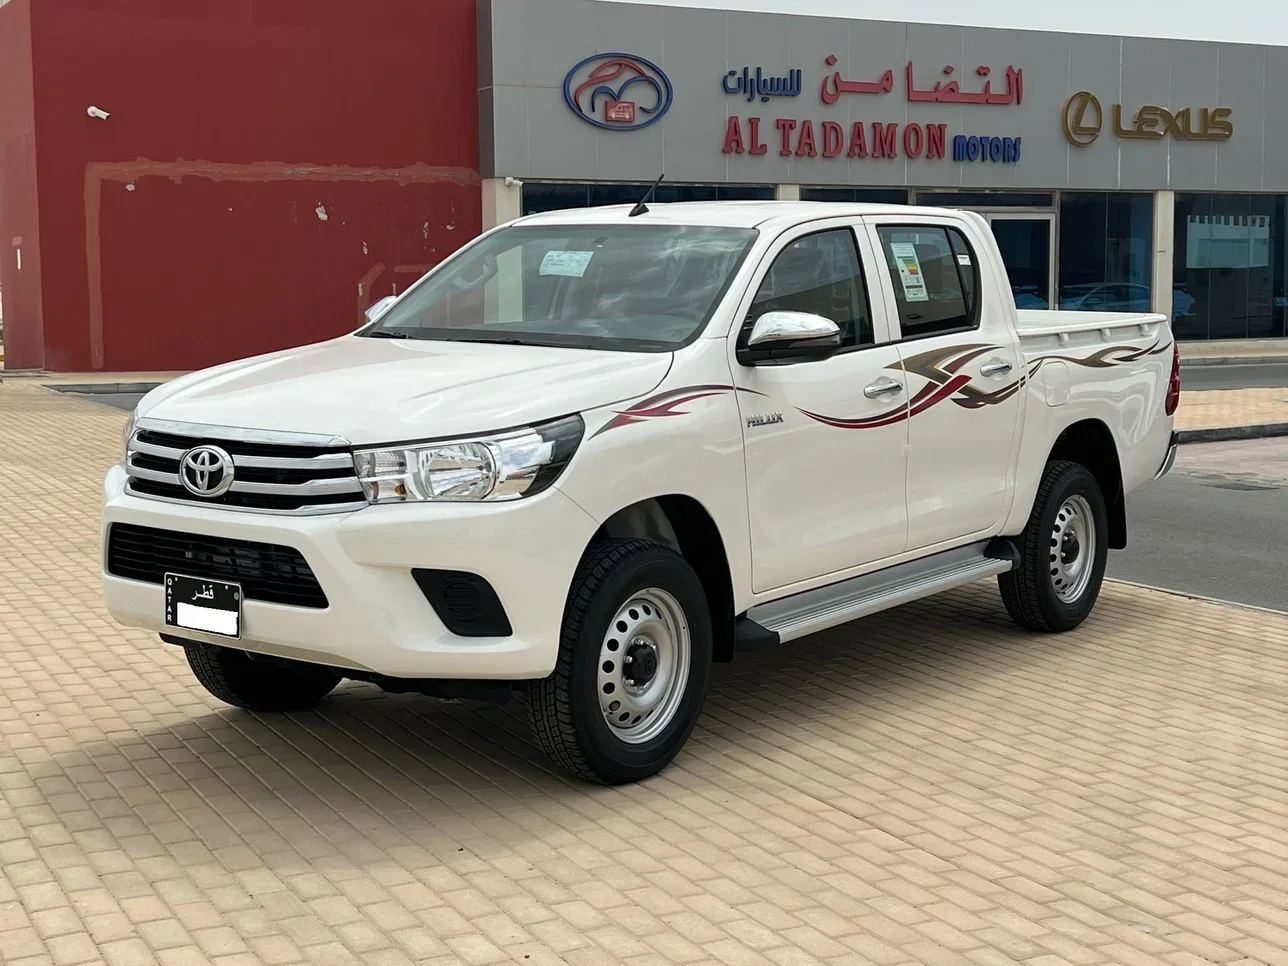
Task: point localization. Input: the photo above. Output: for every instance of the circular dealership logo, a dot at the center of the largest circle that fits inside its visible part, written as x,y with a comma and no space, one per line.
1083,118
618,92
206,471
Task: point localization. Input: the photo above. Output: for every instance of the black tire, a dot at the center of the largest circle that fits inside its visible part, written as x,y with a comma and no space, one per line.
235,678
564,709
1029,589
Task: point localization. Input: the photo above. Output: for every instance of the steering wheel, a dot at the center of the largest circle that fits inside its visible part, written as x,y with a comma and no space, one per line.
486,275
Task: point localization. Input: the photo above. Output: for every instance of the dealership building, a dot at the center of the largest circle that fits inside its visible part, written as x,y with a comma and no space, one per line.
1117,173
183,187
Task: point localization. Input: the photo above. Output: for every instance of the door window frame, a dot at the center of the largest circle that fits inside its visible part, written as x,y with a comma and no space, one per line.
876,226
993,291
884,326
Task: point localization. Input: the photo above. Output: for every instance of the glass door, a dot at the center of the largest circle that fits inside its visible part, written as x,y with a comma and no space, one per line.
1027,244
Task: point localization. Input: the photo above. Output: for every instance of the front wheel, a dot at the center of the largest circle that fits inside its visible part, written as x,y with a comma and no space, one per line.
1062,552
634,656
236,678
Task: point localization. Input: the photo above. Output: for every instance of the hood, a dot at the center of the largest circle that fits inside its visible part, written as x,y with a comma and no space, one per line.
387,390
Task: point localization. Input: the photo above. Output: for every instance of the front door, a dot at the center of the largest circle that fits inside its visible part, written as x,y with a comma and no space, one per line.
1027,243
825,442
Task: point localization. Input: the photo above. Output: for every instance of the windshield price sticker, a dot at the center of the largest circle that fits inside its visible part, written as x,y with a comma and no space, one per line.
914,283
570,264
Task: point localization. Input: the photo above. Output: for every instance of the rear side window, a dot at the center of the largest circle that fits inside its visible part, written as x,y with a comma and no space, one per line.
935,276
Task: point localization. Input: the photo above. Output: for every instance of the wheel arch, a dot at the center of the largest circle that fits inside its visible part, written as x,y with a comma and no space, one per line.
684,524
1091,443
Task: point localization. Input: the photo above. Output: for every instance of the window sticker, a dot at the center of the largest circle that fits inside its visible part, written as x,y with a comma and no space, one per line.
570,264
963,260
913,281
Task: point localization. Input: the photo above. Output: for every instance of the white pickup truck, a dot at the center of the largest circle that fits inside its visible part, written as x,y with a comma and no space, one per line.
596,450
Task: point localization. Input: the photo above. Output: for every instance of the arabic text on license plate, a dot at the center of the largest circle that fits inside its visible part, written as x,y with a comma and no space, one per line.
197,604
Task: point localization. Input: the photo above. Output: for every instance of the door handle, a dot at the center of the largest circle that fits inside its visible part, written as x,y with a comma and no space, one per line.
998,367
885,387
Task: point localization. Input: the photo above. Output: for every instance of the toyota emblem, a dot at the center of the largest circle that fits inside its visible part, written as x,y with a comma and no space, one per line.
206,471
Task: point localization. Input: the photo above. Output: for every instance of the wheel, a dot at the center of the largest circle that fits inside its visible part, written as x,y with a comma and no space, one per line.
1062,552
235,678
634,657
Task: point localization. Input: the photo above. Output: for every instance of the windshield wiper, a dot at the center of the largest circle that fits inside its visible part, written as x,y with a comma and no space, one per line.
387,334
505,342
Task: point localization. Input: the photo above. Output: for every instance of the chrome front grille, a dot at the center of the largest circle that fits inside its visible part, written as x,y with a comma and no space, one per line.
272,472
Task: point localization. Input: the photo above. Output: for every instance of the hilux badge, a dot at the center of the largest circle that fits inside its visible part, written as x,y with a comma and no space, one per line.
764,419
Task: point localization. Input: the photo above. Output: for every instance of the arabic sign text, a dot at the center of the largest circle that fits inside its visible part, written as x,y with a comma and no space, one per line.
756,83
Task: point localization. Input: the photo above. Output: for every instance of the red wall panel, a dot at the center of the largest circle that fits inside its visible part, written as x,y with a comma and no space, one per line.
19,215
183,231
236,265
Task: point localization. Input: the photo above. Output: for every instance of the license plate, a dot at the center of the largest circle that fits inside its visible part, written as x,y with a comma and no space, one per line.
197,604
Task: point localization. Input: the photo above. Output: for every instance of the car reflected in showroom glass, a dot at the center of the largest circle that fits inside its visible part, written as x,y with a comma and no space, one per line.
1121,298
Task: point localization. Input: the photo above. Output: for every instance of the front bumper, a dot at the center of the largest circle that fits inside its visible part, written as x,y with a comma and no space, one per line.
377,619
1169,460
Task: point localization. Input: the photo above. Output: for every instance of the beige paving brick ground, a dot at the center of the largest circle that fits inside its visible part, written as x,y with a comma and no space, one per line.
929,787
1232,407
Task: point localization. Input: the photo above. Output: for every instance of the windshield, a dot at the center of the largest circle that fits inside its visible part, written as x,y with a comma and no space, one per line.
641,288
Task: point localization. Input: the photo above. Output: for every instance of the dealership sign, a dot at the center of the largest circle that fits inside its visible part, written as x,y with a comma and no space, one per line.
1084,118
618,92
807,138
624,92
877,140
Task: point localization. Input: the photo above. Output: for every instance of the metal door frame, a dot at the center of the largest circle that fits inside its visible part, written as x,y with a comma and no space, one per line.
1033,214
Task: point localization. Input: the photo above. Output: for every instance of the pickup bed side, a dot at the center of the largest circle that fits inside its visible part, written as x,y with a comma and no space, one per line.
1096,395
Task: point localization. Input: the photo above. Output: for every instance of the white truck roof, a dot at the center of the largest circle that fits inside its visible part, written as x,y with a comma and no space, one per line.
725,214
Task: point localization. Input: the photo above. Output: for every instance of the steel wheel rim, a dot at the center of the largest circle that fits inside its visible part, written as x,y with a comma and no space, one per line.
650,626
1073,549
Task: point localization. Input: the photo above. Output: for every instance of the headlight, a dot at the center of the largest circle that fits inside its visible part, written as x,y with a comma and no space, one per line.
131,425
506,466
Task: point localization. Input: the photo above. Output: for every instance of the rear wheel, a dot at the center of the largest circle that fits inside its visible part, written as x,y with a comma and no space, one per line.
235,678
633,662
1063,552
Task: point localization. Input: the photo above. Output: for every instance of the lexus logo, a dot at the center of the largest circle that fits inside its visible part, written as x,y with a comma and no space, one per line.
206,471
1083,118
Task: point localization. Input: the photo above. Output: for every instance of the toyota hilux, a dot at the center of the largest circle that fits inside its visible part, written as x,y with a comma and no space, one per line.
595,451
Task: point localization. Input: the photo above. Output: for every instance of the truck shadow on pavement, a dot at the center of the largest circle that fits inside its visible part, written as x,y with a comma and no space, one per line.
368,774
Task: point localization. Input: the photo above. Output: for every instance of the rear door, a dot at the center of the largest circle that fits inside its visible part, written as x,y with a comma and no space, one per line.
825,442
951,319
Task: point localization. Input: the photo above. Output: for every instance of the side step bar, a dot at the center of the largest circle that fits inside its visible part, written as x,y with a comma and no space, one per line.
816,610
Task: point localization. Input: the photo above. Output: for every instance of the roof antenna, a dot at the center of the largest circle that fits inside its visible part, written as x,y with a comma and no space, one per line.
642,207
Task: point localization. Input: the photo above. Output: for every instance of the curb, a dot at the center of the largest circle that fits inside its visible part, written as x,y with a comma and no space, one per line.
1201,598
103,388
1222,434
1234,361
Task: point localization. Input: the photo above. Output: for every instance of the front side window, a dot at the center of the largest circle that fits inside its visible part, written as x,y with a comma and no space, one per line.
935,277
638,288
819,274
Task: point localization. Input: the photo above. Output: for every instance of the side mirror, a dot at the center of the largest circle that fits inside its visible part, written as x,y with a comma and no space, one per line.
790,337
376,309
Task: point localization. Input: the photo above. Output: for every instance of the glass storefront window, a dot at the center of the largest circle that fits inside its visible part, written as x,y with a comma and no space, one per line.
555,196
1024,242
1229,266
874,196
1106,239
986,199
